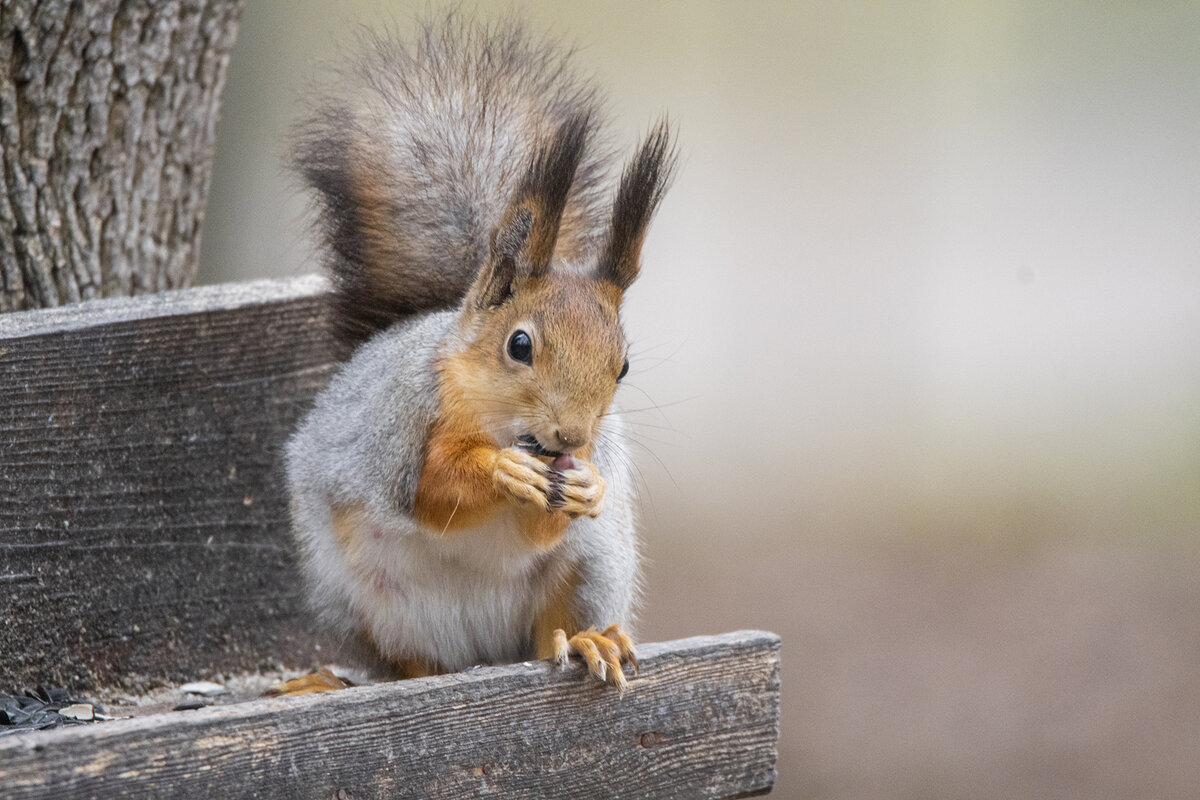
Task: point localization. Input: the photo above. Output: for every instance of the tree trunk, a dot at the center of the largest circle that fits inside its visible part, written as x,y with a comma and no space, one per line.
108,111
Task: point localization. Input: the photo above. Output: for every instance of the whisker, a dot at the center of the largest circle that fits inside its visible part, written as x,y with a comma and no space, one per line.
452,513
661,463
638,358
650,425
654,407
641,486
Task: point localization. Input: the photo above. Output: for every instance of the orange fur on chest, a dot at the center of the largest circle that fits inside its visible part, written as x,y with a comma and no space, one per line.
456,490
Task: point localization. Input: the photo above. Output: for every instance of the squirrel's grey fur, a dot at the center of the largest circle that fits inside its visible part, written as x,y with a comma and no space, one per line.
441,134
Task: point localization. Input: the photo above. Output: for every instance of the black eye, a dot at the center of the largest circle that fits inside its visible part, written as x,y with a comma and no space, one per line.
624,369
520,348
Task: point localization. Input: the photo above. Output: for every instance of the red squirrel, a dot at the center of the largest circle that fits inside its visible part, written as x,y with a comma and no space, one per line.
461,492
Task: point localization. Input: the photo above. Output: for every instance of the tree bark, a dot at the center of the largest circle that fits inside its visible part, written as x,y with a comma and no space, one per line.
108,113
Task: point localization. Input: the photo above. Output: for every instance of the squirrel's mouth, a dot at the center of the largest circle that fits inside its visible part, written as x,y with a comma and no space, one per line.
529,443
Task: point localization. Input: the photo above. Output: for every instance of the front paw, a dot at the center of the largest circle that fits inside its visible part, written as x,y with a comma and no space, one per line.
582,490
527,479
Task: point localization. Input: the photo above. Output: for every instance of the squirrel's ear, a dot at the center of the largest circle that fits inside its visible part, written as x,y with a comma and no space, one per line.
643,184
506,260
523,243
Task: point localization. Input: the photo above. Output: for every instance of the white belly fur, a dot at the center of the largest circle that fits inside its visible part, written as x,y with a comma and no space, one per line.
458,599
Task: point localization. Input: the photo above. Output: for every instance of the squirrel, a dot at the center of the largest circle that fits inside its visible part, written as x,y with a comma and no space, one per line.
461,492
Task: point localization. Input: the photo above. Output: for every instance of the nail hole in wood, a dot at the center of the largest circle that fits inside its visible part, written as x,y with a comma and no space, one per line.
650,739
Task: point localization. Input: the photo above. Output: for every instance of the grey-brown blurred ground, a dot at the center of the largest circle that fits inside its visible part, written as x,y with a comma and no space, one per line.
1070,669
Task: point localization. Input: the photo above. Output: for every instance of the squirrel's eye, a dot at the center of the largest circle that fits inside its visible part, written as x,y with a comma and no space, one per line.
624,370
520,348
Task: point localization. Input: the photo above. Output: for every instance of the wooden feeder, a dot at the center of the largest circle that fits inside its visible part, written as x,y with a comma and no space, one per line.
144,541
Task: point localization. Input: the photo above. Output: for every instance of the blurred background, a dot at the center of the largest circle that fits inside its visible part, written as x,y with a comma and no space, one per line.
917,342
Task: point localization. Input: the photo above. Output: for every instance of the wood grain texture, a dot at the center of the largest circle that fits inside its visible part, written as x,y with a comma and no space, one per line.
701,721
143,519
108,112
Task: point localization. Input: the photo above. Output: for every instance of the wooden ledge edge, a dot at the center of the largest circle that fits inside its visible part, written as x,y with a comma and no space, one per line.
535,673
217,297
701,719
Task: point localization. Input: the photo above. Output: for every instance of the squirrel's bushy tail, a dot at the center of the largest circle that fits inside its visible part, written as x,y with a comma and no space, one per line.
418,155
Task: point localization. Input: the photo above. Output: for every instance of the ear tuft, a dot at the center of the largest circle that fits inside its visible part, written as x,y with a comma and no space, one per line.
547,183
643,183
523,243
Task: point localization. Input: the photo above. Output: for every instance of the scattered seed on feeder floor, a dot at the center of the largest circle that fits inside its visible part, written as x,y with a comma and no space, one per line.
204,688
43,707
193,706
79,711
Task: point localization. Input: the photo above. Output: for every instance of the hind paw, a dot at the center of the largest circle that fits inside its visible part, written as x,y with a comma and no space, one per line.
603,651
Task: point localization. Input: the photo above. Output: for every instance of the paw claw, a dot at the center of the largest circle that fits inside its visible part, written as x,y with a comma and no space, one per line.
623,643
554,494
562,648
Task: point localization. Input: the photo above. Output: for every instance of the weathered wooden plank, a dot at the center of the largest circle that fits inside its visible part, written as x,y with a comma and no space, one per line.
701,720
143,525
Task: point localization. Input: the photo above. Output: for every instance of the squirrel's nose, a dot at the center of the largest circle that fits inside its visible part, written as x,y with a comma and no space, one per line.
570,438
